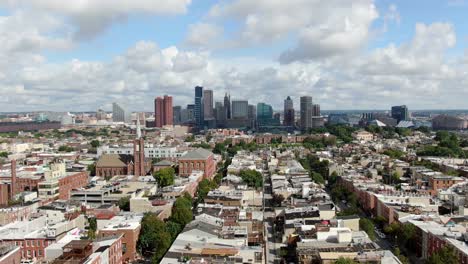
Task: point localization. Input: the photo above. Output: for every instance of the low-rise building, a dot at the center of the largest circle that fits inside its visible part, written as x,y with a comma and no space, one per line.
198,160
128,226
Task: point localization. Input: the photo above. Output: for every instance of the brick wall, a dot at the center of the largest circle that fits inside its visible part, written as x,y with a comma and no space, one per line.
71,182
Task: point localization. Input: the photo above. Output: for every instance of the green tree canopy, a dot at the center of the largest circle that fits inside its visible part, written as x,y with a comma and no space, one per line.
124,203
92,169
65,149
277,199
368,226
219,148
204,187
448,146
92,227
343,260
190,138
182,210
312,163
445,255
394,153
252,178
407,233
154,239
95,143
317,177
173,228
202,145
164,177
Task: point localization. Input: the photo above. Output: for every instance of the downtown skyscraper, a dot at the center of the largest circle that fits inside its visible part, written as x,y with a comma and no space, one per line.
120,113
400,113
240,109
208,112
198,111
227,106
306,112
288,112
163,111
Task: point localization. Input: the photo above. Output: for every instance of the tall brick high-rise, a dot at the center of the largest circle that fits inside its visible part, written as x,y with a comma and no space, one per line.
163,112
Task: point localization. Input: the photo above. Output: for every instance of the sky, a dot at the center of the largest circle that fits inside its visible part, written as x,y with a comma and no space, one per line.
81,55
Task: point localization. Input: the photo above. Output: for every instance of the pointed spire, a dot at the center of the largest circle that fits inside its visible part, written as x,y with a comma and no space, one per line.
138,128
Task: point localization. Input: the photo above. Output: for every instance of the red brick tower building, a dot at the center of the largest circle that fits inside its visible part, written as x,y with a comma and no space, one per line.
168,113
158,111
163,112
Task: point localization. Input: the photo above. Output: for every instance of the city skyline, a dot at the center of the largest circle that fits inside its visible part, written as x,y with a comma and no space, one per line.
368,55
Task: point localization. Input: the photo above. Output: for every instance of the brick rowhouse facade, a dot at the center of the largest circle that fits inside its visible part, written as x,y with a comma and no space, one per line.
70,182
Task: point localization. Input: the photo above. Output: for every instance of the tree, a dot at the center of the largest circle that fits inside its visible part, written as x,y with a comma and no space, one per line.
403,259
392,229
182,210
424,129
343,260
3,154
92,169
394,178
342,132
92,227
379,220
173,229
218,178
124,203
252,178
204,187
317,177
367,225
312,163
445,255
464,143
448,146
164,177
332,178
202,145
190,138
407,233
154,239
95,143
394,153
65,149
219,148
405,132
277,199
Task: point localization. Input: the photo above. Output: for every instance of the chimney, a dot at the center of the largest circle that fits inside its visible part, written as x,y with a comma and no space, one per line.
13,179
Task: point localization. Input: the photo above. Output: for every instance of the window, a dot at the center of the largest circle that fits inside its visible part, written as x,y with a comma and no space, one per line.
39,252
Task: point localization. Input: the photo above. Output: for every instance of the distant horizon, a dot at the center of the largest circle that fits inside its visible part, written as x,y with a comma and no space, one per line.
322,110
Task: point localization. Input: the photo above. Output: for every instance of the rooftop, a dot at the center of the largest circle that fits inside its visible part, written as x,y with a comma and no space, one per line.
198,154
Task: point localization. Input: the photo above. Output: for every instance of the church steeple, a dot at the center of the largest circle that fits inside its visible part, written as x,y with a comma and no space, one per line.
139,152
138,128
